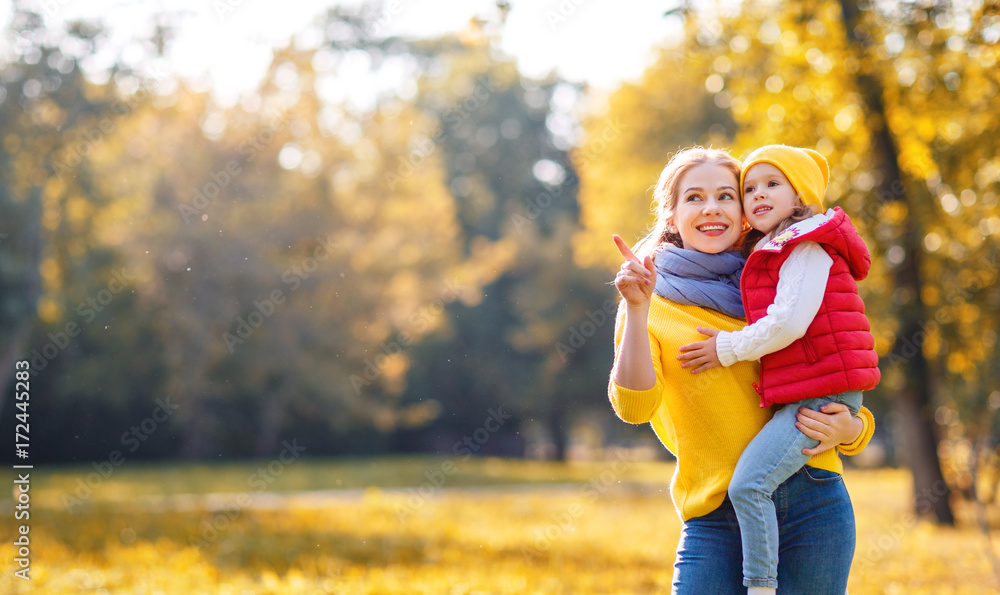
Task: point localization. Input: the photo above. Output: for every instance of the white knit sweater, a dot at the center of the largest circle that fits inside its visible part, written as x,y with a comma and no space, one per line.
801,284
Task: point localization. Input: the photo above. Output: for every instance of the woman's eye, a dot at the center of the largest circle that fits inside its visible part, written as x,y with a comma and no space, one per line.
726,196
693,197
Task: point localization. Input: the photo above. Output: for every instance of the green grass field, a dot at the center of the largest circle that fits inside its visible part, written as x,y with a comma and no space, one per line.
421,525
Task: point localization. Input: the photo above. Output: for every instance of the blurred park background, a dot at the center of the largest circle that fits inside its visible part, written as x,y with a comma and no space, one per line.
350,331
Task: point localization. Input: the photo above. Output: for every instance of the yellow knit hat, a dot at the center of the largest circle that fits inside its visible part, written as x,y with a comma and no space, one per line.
806,169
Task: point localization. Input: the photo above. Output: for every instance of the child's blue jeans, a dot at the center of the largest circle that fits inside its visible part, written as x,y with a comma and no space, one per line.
774,455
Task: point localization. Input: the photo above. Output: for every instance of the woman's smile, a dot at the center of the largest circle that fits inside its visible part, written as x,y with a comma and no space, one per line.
713,229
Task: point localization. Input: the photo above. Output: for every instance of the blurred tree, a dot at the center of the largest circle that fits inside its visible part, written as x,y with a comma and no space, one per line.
276,253
502,312
53,121
936,109
912,392
284,257
629,140
514,190
961,241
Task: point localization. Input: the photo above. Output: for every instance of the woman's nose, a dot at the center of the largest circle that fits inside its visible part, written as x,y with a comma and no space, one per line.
711,206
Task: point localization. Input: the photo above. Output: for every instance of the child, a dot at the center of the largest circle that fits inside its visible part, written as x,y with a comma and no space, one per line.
806,324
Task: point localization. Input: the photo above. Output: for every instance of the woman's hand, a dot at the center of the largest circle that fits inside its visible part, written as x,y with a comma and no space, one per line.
702,353
833,425
636,280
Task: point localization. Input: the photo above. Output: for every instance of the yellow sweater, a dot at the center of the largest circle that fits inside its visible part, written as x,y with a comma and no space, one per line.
706,419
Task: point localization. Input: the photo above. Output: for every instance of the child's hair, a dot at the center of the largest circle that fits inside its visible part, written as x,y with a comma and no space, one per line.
667,192
800,212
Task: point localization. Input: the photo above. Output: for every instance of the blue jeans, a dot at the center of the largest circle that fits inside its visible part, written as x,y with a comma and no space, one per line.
773,456
816,533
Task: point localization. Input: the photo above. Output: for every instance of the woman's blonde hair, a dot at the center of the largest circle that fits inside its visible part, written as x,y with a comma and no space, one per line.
666,193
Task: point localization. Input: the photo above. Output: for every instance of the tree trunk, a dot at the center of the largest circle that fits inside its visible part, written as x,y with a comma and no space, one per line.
10,352
269,425
559,433
913,400
189,342
193,433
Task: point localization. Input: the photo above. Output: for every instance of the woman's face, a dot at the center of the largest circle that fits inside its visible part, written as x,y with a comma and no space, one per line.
708,216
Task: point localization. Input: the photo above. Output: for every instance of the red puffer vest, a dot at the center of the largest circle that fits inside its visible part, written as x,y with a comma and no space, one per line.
837,353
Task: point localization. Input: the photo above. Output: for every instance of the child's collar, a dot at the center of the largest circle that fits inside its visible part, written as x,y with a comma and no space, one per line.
799,228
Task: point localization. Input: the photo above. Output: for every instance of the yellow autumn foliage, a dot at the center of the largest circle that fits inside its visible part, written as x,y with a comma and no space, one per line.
560,538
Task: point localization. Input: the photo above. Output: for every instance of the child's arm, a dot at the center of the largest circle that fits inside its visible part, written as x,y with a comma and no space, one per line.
801,286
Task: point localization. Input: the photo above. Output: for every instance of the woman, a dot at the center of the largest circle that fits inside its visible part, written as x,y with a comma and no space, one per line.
707,419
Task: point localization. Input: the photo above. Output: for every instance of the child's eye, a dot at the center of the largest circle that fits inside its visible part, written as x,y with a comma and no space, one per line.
748,190
772,183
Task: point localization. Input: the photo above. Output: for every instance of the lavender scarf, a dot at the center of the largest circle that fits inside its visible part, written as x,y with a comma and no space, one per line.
700,279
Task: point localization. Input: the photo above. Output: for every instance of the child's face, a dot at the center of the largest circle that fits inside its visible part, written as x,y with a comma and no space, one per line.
768,197
708,215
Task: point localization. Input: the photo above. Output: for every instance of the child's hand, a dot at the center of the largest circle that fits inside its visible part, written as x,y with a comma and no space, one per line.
833,425
702,353
636,280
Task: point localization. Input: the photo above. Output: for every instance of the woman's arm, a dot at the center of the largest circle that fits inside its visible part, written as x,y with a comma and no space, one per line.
635,387
634,361
635,406
634,365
